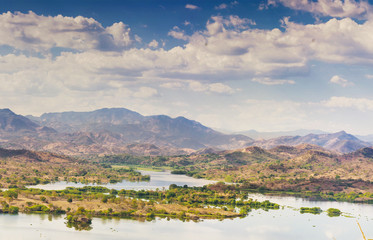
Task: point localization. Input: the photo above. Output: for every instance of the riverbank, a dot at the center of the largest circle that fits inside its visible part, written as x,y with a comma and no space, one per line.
213,202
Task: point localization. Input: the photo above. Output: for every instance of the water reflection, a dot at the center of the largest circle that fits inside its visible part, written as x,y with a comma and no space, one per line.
259,225
158,180
286,223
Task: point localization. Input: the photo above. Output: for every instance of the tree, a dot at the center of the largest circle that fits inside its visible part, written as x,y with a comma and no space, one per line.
10,194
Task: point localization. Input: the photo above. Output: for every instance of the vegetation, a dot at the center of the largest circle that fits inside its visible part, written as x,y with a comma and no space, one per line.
19,168
333,212
217,201
80,220
314,175
304,171
314,210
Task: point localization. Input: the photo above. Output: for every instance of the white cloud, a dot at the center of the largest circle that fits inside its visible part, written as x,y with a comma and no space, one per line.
227,49
32,32
172,85
266,5
225,6
239,22
342,41
187,23
145,92
196,86
362,104
340,81
333,8
153,44
221,6
177,33
220,88
191,7
210,88
270,81
138,39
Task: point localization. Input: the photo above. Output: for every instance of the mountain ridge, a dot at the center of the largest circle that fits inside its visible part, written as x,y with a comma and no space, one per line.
115,130
340,141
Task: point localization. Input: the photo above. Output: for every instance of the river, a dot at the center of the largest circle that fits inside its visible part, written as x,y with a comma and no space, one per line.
286,223
160,180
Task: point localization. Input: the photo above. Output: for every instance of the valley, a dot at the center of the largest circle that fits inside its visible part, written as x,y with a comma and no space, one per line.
83,147
102,148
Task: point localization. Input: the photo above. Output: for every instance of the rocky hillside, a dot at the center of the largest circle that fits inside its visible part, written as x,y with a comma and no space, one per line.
339,142
111,131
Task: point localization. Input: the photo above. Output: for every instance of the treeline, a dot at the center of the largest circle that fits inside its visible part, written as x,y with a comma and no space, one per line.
213,201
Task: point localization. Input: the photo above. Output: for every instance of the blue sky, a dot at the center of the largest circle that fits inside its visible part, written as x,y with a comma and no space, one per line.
269,65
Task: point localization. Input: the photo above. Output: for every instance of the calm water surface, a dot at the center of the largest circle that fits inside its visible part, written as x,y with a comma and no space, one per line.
157,180
286,223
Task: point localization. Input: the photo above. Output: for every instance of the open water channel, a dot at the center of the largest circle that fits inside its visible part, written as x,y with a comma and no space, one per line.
286,223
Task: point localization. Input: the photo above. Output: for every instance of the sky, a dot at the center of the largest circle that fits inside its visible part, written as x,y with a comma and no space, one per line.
268,65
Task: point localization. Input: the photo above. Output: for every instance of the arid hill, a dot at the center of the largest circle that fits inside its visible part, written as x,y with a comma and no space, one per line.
111,131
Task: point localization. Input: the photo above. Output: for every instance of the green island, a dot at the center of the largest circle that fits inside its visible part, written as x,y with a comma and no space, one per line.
216,201
331,212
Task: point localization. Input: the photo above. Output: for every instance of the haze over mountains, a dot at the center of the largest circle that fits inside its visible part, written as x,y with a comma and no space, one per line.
118,130
340,142
268,135
112,131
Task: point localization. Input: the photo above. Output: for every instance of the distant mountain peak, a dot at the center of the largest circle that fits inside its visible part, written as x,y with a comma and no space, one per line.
6,110
340,141
11,122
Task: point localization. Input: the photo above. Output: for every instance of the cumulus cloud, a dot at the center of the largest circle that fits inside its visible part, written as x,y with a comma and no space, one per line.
333,8
270,81
362,104
196,86
32,32
342,41
191,7
227,49
177,33
145,92
172,85
221,6
225,6
340,81
153,44
210,88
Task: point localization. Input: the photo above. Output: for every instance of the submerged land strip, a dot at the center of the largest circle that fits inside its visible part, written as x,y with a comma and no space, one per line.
218,201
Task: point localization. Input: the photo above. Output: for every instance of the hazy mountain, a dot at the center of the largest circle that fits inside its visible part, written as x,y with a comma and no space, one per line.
87,121
117,130
340,142
366,138
11,122
27,155
268,135
118,127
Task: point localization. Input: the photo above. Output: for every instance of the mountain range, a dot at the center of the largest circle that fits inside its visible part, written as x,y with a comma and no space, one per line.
111,131
339,142
117,130
268,135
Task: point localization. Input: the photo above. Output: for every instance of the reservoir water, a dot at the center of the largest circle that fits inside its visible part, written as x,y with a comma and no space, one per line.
157,180
286,223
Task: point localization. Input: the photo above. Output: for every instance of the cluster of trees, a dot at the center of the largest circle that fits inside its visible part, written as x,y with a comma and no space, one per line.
17,173
332,212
